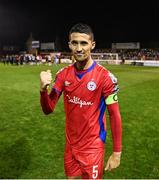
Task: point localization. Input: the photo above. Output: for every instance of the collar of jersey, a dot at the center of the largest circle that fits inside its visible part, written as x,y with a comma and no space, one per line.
81,74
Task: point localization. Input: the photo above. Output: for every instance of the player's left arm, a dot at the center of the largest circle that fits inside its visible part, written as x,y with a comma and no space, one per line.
116,129
110,90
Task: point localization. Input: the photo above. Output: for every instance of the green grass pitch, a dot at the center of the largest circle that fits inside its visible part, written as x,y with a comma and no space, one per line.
32,144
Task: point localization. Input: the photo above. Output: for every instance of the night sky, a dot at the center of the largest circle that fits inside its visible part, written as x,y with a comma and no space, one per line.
110,21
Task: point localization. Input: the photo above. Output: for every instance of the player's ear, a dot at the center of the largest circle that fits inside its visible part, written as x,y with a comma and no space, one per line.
93,45
69,45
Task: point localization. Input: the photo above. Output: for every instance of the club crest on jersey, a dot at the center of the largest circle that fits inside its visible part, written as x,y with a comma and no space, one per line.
91,85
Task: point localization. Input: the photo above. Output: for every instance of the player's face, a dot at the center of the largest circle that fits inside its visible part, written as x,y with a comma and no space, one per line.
81,45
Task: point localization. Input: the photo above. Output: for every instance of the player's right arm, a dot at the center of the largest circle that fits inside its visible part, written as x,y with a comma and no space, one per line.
47,101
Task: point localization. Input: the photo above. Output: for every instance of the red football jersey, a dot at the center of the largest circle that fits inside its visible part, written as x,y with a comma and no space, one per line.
84,101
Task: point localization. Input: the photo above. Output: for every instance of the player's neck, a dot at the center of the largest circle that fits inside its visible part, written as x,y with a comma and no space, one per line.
83,65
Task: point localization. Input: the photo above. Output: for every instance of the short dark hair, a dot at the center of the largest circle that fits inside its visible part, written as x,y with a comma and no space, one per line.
82,28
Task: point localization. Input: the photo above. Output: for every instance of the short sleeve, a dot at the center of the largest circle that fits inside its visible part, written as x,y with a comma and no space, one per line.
110,84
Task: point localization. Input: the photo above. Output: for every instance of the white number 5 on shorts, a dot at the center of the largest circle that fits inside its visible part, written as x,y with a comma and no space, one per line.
95,172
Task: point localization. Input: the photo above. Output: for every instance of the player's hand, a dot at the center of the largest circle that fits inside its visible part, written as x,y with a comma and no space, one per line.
113,161
45,79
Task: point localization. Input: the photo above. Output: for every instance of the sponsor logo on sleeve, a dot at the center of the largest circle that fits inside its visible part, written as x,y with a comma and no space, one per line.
113,78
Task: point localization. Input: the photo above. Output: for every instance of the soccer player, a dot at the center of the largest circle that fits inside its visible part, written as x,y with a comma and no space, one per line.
88,89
